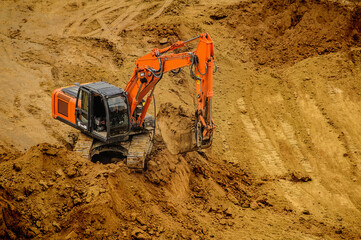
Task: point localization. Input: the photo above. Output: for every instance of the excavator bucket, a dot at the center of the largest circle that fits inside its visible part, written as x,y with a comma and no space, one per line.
178,129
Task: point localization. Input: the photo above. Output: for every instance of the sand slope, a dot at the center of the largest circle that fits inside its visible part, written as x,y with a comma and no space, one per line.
286,157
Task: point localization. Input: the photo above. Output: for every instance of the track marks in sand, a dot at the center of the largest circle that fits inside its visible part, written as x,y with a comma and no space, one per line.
301,196
289,134
110,18
160,10
266,152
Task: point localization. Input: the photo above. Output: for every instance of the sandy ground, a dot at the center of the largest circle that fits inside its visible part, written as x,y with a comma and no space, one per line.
286,157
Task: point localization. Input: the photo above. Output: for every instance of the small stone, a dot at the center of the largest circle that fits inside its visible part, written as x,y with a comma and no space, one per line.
133,216
20,198
141,236
59,173
211,209
35,230
151,164
44,184
79,190
228,212
57,226
194,237
77,201
88,199
287,209
161,229
51,151
223,222
102,190
88,231
38,224
163,41
71,235
96,192
299,177
172,167
254,205
355,55
219,210
136,232
261,205
306,212
230,223
71,172
28,190
245,205
233,199
17,167
140,220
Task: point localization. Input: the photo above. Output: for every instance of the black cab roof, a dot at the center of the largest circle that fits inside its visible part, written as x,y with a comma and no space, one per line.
102,88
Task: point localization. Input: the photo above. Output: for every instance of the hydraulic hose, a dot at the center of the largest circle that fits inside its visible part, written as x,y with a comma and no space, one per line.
176,71
215,67
191,67
155,112
197,62
161,70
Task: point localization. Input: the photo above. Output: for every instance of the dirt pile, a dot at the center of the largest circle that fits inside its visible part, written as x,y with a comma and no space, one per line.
284,32
65,196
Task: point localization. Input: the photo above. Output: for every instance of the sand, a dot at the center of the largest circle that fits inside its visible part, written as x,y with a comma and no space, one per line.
286,156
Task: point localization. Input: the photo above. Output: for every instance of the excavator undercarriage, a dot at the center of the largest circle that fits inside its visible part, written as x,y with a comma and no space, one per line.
134,151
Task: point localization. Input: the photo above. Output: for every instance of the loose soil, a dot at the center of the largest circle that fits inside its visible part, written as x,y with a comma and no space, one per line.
286,156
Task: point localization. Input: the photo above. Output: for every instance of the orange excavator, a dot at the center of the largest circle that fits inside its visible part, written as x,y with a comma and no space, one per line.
117,119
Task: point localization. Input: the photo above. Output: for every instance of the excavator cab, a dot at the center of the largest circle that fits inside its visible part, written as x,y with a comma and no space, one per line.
100,110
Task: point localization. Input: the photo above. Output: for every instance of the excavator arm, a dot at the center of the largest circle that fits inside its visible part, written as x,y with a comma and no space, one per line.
150,68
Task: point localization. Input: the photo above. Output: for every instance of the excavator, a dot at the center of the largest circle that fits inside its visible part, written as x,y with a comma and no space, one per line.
117,120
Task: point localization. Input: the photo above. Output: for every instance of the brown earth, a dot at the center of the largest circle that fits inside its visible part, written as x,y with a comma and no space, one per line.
286,157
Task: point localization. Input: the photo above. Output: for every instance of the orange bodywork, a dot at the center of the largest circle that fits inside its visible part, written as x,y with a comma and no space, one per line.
63,105
144,72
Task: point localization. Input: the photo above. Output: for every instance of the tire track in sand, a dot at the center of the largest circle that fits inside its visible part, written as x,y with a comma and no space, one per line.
266,153
289,134
125,20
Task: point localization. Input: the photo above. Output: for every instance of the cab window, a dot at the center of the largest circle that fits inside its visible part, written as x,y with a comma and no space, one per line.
118,115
